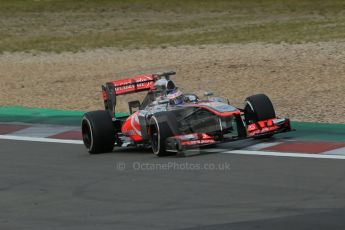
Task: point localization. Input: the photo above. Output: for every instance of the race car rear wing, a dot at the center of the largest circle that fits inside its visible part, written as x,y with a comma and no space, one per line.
127,86
133,85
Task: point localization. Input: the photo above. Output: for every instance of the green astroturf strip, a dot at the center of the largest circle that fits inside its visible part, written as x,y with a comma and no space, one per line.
42,115
310,131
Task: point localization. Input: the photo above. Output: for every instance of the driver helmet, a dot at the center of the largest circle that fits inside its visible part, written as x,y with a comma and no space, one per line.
175,97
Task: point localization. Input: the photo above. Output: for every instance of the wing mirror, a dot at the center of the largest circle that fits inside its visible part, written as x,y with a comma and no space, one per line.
207,94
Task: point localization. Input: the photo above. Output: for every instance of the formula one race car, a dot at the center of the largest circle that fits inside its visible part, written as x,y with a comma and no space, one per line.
169,121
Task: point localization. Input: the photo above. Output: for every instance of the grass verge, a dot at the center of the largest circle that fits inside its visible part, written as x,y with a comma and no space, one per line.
78,25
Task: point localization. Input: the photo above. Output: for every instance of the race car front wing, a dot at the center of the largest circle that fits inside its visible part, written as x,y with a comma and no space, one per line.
266,128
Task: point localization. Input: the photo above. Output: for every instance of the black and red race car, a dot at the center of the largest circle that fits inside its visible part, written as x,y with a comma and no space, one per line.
169,121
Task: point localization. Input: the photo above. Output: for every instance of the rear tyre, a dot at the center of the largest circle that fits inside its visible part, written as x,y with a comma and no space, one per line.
159,132
98,132
257,108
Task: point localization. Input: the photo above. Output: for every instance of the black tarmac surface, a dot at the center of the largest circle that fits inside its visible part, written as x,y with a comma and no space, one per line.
61,186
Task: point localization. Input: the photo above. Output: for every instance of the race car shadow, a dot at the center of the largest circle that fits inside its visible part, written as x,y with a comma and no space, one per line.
234,145
246,143
211,149
132,150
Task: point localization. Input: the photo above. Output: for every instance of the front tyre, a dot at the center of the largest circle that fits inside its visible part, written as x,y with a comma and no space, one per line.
258,108
98,132
159,132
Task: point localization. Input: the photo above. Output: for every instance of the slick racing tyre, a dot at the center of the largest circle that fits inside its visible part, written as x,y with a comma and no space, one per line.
257,108
98,132
160,130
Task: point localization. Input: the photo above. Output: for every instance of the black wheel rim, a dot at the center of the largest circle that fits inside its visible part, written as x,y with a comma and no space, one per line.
249,115
86,133
154,138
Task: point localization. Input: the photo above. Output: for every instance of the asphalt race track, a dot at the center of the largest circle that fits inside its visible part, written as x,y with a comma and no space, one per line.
60,186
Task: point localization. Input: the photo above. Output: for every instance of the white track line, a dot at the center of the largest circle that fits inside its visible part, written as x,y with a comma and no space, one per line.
241,152
40,139
281,154
259,146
